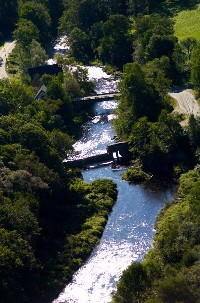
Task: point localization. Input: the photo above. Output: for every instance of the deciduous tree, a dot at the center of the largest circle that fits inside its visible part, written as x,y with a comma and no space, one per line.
195,67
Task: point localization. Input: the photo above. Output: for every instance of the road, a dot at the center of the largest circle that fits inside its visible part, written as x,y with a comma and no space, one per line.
4,52
186,101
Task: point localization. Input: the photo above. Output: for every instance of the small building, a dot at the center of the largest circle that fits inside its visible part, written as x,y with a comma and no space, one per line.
118,150
41,93
53,69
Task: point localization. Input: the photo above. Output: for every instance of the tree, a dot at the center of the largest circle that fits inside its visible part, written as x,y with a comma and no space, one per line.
25,32
158,73
30,55
136,7
68,21
55,8
180,66
9,151
79,44
87,14
139,138
173,290
62,142
39,15
81,75
189,44
115,46
33,137
139,94
48,114
4,136
38,55
156,143
193,131
17,264
14,96
160,46
72,86
96,34
30,163
55,91
15,216
8,16
149,30
132,285
195,67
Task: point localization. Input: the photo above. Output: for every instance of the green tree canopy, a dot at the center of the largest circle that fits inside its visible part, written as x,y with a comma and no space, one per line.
189,45
39,15
14,96
131,288
115,46
8,16
138,98
25,32
38,55
195,67
79,44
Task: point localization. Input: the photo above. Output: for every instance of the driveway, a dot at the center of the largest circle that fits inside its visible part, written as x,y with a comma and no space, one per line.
4,52
186,102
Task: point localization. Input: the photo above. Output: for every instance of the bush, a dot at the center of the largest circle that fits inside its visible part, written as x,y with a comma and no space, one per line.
135,173
173,290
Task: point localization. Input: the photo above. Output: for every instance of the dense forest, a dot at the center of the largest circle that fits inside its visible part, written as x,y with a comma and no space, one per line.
50,220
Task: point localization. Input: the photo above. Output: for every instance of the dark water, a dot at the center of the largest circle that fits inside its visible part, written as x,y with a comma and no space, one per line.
129,232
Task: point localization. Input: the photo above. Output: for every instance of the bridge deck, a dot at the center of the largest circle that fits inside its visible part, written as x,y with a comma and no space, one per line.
87,161
97,98
116,147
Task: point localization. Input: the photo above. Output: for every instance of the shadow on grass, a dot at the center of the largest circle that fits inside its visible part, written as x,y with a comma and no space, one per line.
170,8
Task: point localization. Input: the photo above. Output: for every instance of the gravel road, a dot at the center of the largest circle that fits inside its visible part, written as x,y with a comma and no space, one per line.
4,52
187,102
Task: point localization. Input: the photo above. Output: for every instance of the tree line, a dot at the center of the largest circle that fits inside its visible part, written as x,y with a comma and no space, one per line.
169,272
50,220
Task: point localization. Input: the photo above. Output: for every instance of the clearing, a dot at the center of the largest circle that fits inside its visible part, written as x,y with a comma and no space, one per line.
187,24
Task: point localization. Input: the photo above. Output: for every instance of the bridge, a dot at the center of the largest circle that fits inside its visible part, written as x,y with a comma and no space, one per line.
115,152
82,102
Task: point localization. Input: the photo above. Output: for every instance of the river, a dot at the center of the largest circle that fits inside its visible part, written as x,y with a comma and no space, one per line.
127,237
130,228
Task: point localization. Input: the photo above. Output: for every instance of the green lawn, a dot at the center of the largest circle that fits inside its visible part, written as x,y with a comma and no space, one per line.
187,24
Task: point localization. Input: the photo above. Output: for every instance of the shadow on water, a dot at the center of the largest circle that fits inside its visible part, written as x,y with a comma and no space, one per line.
155,184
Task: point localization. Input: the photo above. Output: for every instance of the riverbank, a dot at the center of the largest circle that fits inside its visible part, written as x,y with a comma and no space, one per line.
87,217
126,238
170,270
130,227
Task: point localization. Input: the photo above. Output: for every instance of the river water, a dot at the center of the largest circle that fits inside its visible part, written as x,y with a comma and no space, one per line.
130,228
127,237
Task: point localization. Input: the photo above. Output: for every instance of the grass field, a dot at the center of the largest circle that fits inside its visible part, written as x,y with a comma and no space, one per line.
187,24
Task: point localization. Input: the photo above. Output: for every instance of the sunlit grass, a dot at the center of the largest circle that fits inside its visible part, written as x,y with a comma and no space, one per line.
187,24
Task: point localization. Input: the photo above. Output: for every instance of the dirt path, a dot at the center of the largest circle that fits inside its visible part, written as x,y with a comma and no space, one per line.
186,102
4,52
